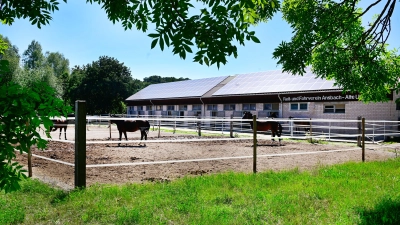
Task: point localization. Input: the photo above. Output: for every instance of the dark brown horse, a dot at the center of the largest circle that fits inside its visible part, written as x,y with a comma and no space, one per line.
132,126
306,125
274,127
61,124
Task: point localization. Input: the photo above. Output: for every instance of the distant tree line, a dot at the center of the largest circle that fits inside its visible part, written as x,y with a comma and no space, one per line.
104,83
158,79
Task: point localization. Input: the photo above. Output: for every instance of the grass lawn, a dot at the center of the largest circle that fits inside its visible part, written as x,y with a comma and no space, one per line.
352,193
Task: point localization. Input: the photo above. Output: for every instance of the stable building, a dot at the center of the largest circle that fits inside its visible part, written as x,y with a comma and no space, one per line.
262,93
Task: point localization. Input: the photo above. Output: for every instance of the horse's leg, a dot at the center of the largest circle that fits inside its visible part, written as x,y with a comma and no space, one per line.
279,137
145,135
273,135
59,136
126,138
65,133
120,137
142,134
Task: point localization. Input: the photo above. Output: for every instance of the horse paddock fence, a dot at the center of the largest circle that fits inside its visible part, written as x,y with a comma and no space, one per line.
232,129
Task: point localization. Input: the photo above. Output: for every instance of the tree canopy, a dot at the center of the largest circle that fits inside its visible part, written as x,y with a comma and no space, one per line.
328,35
104,83
22,111
155,79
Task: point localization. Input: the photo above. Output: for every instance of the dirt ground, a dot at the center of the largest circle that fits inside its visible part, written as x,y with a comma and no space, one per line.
172,160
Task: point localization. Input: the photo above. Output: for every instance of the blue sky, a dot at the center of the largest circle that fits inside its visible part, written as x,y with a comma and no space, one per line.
83,33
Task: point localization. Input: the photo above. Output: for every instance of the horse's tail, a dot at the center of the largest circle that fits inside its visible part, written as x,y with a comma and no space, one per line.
147,126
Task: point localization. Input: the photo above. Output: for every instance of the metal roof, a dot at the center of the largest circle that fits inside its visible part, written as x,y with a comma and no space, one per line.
179,89
268,82
274,82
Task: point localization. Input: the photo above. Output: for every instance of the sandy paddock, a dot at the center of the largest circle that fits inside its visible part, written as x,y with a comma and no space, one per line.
212,157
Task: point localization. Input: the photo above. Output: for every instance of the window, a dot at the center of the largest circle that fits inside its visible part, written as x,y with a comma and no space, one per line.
298,106
170,107
271,106
229,107
140,108
149,108
249,107
183,107
159,107
338,108
196,107
212,107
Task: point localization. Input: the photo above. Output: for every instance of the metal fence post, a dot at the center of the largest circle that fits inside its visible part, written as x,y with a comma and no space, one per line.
254,144
329,135
373,133
291,127
311,132
384,131
359,126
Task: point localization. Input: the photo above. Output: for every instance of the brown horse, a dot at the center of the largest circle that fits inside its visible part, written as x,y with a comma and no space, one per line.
132,126
62,124
306,125
274,127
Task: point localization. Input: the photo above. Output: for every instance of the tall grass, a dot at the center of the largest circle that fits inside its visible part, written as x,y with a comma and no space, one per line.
351,193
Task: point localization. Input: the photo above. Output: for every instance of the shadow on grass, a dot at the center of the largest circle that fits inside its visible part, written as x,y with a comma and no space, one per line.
385,212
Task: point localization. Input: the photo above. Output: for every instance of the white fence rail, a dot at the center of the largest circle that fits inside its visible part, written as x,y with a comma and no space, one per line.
329,129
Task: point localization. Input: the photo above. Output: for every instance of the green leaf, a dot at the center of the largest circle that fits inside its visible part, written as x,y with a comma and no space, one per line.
255,39
166,39
182,54
153,35
154,43
161,44
187,48
206,61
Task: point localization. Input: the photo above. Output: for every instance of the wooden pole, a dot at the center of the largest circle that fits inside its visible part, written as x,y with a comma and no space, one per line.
29,155
199,125
159,128
254,144
80,144
109,127
231,127
363,139
30,162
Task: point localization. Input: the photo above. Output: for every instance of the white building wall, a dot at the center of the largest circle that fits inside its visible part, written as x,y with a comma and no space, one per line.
353,109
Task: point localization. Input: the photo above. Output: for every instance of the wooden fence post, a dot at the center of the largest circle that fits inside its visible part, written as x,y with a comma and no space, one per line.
254,144
29,155
363,139
199,125
30,162
80,144
159,128
231,127
359,128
